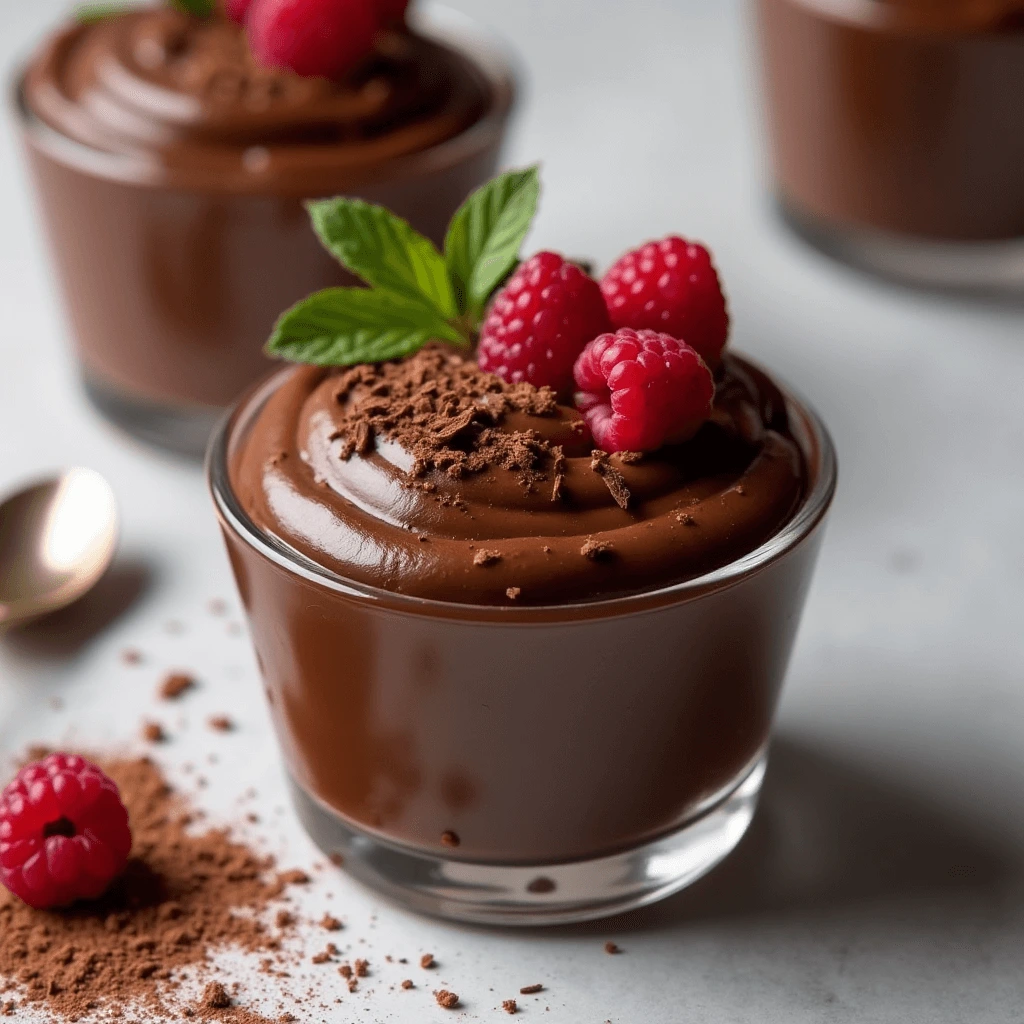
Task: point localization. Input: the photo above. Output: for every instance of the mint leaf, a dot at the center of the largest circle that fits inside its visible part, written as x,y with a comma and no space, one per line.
343,326
384,251
87,14
200,8
486,234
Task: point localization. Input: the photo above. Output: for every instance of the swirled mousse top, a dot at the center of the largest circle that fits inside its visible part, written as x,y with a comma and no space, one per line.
186,95
429,477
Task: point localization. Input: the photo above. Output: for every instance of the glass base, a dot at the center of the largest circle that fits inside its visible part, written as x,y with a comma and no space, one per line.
184,430
546,894
987,268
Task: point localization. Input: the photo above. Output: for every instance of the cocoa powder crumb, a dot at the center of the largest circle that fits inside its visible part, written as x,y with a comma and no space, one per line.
407,984
686,519
321,958
597,550
131,656
629,458
296,876
345,971
512,593
450,839
153,732
353,984
362,968
284,919
529,990
447,1000
175,685
221,723
510,1006
486,557
215,996
611,948
337,860
330,924
427,961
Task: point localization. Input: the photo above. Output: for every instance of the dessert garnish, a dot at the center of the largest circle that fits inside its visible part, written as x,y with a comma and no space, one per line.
549,325
64,832
313,38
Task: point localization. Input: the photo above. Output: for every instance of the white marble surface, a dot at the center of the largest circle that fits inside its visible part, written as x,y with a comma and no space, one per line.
883,879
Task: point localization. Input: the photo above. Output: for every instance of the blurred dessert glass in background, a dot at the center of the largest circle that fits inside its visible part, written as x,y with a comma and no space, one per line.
897,133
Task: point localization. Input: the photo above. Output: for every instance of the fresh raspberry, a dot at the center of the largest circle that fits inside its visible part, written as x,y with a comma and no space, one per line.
236,10
64,832
392,11
314,38
670,286
639,390
539,322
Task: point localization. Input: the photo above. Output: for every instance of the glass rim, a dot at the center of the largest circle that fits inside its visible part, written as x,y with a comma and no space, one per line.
811,434
484,49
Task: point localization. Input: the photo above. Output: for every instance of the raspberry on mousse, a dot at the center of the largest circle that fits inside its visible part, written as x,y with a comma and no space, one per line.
64,833
670,286
639,390
540,321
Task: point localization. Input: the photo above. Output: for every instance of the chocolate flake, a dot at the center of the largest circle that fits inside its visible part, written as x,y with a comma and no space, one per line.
427,961
614,480
175,685
512,593
597,550
486,557
530,990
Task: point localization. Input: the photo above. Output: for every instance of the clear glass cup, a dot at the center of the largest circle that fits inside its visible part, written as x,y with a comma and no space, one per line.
897,132
524,765
173,278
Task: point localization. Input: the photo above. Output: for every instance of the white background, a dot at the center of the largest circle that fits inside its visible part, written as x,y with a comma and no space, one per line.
883,877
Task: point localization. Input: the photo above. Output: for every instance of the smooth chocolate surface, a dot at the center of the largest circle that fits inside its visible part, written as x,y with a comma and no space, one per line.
514,507
904,116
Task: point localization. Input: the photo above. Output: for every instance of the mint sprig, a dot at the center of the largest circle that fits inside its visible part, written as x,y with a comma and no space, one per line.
88,13
416,294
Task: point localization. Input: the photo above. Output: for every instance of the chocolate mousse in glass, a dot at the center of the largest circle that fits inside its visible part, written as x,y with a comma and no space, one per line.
516,679
897,133
171,170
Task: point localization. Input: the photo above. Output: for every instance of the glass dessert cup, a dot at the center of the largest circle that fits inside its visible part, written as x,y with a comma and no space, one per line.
173,276
524,765
895,132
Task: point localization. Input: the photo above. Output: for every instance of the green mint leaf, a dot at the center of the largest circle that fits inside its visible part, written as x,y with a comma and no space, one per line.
344,326
200,8
486,234
384,251
87,14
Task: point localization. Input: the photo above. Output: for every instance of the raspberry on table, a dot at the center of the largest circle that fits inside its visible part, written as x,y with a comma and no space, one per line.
64,833
670,286
540,321
639,390
314,38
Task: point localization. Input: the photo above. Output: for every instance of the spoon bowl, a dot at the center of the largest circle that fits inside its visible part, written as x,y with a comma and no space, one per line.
57,539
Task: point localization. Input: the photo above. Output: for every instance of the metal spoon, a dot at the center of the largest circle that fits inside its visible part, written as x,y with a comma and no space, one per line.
57,539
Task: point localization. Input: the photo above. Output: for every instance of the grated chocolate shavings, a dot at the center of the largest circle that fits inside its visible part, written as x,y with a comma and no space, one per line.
597,550
614,480
486,557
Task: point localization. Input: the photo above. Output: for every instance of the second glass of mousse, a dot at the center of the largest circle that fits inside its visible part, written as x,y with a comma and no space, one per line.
171,160
522,612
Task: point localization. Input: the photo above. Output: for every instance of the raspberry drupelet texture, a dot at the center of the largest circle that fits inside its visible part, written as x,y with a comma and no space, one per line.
639,390
539,322
314,38
670,286
64,832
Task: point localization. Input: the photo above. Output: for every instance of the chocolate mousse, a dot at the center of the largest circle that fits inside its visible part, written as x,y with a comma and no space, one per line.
516,676
903,116
431,478
171,169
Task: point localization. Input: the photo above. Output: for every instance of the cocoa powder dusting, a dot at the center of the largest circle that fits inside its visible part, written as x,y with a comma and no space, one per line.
175,685
175,903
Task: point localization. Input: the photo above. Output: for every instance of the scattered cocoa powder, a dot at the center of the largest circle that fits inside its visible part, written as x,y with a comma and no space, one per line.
153,732
175,685
408,983
221,723
510,1006
611,948
530,990
597,550
131,656
446,999
330,924
215,996
450,839
427,961
362,968
174,904
512,593
486,557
